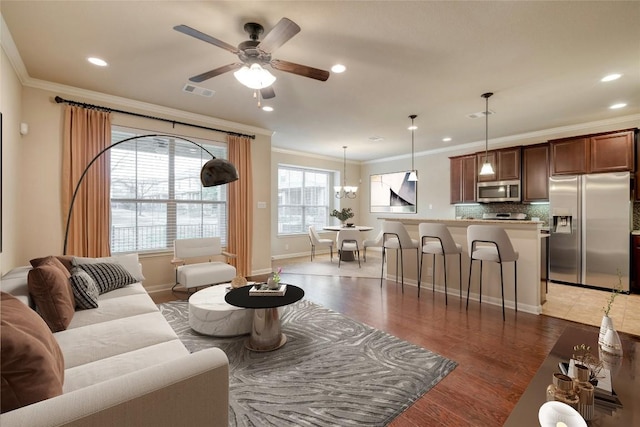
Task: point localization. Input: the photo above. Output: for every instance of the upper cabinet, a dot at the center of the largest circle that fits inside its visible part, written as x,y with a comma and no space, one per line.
463,174
505,162
610,152
535,173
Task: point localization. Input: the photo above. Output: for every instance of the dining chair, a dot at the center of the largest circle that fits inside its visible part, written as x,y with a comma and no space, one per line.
436,239
368,243
395,236
348,240
315,240
496,248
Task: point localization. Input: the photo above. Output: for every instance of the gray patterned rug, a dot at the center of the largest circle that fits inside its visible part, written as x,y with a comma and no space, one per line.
333,371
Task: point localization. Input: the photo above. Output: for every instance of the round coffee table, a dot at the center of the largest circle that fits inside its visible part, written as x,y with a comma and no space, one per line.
209,313
266,334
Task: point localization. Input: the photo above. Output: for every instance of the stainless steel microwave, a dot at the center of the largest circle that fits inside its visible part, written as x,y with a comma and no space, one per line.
499,191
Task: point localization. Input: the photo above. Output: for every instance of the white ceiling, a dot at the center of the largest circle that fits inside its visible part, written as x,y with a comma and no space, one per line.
543,61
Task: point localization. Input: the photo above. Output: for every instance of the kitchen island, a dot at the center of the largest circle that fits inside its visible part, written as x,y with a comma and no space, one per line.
526,239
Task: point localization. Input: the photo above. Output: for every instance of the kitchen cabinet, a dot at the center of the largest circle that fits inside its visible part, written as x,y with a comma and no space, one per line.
535,173
612,152
463,173
569,156
607,152
505,162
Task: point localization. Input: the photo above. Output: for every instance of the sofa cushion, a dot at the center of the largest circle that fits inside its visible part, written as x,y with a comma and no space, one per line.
85,290
32,363
129,261
108,276
64,260
14,282
50,289
114,308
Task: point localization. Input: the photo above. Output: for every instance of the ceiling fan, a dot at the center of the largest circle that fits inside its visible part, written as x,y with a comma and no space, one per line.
254,54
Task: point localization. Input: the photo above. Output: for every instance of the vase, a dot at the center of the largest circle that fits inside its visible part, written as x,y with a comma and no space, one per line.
612,343
273,283
606,324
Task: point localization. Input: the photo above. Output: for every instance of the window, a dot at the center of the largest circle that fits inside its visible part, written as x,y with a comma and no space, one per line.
303,199
156,194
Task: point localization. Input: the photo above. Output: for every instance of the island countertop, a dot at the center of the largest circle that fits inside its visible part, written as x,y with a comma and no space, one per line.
525,236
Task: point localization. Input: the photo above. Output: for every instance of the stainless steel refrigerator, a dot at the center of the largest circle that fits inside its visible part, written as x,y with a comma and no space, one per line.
590,224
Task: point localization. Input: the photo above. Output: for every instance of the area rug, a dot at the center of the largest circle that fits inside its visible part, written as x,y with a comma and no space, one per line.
323,266
333,371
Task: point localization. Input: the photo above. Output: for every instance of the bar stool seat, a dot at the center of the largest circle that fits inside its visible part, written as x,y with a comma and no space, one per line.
435,239
395,236
496,247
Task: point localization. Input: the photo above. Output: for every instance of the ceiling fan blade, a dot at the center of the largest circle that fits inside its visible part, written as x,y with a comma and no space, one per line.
301,70
209,74
267,93
205,38
279,35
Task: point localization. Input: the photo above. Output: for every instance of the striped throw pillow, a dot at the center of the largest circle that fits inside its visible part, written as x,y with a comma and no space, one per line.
108,276
84,289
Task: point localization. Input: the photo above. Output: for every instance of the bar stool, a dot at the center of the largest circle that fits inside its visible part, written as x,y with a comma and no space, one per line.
436,239
395,236
500,250
348,240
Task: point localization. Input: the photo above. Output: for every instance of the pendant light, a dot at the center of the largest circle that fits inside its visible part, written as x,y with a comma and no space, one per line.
413,176
345,191
486,169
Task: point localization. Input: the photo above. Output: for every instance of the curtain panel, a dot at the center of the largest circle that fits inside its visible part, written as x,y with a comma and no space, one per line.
241,204
86,133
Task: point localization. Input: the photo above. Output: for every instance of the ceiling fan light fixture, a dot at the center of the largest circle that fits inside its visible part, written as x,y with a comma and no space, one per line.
254,77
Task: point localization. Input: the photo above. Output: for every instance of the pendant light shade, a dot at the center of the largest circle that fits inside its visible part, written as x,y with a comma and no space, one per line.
413,176
345,191
254,77
486,169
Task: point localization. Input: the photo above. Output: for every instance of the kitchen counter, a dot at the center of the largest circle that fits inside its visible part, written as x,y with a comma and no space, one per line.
526,237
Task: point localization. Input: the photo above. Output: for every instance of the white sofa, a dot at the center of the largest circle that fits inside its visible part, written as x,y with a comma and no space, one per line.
125,366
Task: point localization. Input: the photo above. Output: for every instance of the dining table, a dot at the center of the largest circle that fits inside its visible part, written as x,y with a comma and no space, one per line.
347,255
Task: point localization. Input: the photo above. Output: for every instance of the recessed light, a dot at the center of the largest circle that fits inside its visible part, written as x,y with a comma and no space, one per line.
611,77
619,105
446,139
267,108
97,61
338,68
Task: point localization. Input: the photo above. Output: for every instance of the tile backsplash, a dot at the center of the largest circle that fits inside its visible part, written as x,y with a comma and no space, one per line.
540,211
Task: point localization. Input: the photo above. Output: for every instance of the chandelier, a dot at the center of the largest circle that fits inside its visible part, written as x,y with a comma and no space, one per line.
345,191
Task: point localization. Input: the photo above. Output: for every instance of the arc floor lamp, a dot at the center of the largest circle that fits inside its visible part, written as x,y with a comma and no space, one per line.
214,172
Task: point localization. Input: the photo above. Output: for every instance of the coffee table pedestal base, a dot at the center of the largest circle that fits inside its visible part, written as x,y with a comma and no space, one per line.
265,332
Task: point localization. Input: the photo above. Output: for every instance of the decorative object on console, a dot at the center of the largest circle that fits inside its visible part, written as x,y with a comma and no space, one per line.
608,339
413,176
561,390
487,169
274,281
343,215
558,414
214,172
346,190
238,282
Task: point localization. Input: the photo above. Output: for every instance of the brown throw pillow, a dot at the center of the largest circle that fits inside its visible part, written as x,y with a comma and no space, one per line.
65,261
51,291
32,363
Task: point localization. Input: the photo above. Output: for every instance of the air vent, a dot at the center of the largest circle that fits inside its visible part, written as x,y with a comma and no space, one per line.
376,138
208,93
479,114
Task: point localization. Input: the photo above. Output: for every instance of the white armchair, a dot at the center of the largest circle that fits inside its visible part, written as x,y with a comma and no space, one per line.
201,273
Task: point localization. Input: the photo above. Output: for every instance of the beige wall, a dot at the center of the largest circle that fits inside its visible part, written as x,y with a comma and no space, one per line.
11,109
36,214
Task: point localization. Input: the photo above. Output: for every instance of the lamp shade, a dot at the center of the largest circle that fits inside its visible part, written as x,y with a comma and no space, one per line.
486,169
254,77
413,177
217,172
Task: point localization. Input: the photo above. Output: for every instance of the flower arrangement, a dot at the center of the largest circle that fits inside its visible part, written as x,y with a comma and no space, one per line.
584,357
276,275
343,214
614,293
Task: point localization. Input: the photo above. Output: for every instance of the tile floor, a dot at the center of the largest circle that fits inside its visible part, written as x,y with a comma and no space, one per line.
586,306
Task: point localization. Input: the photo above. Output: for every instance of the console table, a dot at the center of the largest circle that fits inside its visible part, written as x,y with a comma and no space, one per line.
625,381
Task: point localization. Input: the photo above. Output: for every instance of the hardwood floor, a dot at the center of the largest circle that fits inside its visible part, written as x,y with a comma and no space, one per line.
496,359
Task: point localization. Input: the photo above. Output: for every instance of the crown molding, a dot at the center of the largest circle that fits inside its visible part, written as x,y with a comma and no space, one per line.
312,155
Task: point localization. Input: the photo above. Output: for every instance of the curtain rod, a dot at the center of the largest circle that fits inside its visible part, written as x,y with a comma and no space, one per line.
60,100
